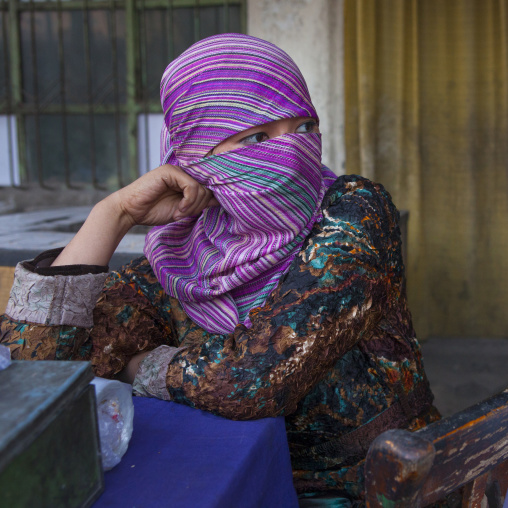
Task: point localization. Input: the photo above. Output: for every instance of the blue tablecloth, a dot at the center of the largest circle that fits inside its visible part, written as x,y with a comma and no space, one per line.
183,457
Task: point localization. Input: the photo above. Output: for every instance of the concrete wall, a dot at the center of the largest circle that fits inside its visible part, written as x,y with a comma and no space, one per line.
310,31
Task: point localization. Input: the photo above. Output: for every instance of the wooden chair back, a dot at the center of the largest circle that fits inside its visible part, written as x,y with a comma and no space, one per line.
469,448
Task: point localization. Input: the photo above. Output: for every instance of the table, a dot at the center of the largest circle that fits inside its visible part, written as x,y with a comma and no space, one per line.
181,457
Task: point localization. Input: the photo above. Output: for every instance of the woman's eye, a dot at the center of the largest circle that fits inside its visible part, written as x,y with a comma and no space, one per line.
258,137
307,127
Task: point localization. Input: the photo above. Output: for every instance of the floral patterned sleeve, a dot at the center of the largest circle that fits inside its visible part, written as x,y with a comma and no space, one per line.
347,275
82,312
49,312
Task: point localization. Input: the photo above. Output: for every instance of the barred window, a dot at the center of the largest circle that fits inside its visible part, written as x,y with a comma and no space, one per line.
79,84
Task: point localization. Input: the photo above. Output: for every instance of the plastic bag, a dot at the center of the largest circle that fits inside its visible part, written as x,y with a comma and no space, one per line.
115,415
5,357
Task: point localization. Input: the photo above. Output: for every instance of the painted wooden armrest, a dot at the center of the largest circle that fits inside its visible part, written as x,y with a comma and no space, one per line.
469,448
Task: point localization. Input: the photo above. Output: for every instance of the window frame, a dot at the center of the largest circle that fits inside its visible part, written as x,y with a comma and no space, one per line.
136,102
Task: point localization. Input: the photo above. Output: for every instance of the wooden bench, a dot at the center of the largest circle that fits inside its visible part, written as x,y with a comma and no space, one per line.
6,278
469,449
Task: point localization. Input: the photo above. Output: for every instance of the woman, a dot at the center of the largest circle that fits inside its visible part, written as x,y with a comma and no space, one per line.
270,287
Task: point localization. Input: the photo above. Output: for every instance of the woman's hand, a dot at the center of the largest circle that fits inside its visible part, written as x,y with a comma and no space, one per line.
163,195
128,374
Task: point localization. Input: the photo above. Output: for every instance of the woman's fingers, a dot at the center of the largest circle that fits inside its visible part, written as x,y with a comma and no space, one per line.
163,195
191,191
200,199
195,197
193,194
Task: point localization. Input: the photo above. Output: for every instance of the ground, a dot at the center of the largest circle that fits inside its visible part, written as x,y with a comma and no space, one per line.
463,371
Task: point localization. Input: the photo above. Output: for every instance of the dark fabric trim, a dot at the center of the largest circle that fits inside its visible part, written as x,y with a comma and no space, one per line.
41,265
357,443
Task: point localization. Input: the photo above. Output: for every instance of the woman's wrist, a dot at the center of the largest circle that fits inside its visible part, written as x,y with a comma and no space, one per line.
97,239
128,374
111,206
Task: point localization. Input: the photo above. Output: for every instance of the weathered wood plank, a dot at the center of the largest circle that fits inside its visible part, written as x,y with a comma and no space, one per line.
467,445
397,465
6,278
467,449
497,486
474,492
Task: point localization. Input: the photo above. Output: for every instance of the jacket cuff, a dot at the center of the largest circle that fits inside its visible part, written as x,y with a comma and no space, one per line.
150,380
42,265
54,300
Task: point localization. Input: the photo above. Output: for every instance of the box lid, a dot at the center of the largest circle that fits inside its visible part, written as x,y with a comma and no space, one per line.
31,394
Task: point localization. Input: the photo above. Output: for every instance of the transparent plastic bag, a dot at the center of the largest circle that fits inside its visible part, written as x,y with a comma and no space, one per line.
115,414
5,357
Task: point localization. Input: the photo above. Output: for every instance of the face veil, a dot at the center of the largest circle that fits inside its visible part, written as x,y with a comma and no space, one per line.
226,261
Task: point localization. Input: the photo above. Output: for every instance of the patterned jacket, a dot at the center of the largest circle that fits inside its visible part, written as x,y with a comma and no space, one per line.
332,349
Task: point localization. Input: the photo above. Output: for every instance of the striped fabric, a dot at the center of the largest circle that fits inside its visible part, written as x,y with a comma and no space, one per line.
224,262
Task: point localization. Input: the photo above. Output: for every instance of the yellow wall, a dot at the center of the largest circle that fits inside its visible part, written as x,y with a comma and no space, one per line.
426,94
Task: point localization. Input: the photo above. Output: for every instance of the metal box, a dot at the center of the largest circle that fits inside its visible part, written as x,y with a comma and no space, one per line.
49,442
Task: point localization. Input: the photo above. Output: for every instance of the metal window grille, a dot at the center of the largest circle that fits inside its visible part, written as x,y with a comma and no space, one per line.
79,84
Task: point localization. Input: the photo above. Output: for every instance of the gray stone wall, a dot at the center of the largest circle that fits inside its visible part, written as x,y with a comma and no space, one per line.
311,32
14,199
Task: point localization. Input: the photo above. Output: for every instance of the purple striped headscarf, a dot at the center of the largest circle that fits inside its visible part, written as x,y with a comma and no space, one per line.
226,261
